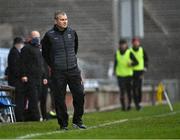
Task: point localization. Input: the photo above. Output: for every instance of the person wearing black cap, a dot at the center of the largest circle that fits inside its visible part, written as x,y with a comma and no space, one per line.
14,76
59,49
124,62
138,70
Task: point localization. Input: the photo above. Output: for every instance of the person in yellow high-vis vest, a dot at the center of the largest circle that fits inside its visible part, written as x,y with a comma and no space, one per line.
124,62
138,70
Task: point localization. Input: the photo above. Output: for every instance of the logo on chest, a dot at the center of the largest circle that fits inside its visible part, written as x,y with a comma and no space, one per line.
69,36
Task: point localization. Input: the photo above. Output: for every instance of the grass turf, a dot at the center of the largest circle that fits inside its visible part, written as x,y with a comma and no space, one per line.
149,126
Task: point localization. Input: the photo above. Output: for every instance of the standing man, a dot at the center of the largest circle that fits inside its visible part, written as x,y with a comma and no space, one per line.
124,62
59,49
138,70
32,71
14,77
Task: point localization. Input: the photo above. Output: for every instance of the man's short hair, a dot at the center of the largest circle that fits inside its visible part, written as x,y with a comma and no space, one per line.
122,41
18,40
57,13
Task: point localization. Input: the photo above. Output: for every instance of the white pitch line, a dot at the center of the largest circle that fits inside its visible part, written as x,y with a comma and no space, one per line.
107,124
55,132
94,127
167,114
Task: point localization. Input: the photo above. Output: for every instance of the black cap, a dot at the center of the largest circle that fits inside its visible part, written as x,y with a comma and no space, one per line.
18,40
122,41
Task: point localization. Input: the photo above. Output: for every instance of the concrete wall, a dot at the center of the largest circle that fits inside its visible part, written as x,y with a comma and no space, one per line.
99,100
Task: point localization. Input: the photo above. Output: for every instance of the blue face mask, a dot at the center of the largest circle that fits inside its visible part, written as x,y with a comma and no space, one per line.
35,41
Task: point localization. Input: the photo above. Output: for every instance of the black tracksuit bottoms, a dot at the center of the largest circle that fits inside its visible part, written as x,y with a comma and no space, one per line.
33,88
20,94
43,100
125,86
60,80
137,86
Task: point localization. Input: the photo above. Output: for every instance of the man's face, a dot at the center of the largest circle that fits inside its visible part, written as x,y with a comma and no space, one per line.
62,21
123,46
19,45
35,38
136,44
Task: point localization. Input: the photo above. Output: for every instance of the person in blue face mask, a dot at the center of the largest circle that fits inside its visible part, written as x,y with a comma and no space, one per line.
31,74
35,41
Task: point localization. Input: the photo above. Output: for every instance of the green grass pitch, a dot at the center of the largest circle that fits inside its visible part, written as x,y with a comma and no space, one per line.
150,122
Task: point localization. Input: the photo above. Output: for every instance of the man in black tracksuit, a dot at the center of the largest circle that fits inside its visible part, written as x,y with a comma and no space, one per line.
14,77
32,70
59,48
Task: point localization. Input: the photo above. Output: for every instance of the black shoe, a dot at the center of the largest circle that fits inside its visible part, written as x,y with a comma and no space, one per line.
63,128
79,126
123,109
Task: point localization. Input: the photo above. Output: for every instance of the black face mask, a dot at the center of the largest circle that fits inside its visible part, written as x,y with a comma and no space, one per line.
35,41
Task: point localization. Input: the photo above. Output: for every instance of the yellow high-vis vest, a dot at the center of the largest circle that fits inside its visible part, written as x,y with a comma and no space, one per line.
123,60
139,55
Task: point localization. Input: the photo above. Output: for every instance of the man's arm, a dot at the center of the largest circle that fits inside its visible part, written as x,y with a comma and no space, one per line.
46,49
115,63
76,43
145,59
44,72
25,57
133,59
12,62
44,69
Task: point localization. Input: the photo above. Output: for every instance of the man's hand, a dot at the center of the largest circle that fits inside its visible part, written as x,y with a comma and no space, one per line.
45,81
145,69
24,79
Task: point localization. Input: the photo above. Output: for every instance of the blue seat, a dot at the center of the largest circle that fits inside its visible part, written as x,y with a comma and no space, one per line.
6,108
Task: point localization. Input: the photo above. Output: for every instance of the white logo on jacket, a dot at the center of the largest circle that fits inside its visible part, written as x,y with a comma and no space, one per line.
69,36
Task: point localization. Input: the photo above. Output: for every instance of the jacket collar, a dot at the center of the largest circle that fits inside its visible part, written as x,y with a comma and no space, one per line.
135,49
57,29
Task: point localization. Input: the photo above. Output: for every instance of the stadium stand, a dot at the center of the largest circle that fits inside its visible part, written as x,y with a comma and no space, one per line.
93,21
162,31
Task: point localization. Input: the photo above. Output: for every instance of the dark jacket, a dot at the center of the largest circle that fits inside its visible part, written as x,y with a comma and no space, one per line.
31,62
14,66
59,48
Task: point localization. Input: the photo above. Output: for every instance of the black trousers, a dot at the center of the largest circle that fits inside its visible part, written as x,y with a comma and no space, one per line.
60,80
125,86
33,87
43,99
137,87
50,83
20,94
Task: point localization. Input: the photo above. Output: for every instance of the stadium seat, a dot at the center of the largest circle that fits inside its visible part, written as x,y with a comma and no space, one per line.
6,108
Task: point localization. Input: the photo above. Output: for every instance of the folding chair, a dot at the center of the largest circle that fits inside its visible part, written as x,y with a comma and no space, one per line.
6,108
